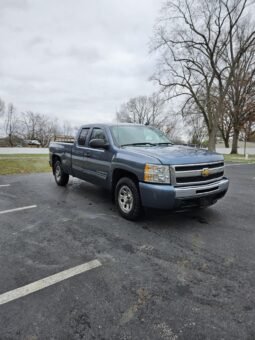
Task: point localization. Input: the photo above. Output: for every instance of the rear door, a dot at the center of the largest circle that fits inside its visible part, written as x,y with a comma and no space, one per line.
98,160
79,158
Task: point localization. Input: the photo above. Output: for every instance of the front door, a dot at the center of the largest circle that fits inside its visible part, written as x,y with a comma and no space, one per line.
98,160
79,158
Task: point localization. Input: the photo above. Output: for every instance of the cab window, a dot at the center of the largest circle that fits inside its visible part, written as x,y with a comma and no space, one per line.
82,137
98,133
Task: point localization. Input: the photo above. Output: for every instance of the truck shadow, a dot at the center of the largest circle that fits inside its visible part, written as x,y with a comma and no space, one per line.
196,218
90,192
152,218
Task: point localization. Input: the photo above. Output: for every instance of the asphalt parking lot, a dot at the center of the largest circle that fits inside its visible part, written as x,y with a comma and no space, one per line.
169,276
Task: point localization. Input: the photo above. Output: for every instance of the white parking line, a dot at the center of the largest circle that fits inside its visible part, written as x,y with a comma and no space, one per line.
47,281
4,185
17,209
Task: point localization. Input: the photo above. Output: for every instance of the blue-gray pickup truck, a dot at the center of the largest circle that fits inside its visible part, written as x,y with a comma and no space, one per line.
141,167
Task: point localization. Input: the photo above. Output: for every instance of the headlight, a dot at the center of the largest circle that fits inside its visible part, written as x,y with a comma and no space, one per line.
156,173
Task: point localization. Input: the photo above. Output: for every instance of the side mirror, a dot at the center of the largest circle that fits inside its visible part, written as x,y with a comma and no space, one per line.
98,144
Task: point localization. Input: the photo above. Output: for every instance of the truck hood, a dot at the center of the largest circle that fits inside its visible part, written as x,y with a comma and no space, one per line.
177,154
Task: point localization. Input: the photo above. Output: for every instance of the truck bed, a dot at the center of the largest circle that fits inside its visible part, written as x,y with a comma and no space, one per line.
63,150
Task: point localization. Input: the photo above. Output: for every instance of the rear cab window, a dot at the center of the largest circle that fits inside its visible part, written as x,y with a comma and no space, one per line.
83,136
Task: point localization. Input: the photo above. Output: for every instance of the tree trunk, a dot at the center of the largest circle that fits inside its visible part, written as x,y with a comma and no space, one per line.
10,140
225,139
212,139
234,149
226,142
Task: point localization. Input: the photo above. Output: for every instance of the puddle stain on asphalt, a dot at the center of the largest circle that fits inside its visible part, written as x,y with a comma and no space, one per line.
196,241
129,314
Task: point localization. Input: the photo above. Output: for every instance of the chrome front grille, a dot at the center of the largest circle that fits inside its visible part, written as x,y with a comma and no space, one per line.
196,174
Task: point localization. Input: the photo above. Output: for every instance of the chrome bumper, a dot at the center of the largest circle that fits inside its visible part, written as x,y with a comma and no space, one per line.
202,190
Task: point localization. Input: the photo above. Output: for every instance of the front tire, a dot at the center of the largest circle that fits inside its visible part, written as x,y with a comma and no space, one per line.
61,177
127,199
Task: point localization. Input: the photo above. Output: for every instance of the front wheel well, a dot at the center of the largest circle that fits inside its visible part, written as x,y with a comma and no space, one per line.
118,174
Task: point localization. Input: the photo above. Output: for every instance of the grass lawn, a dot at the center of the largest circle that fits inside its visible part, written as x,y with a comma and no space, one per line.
239,159
27,163
23,164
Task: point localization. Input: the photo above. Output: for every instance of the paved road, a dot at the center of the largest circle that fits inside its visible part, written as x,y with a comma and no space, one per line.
250,148
171,276
249,151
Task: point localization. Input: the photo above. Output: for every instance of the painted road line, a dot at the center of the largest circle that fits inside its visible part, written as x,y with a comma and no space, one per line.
17,209
234,164
4,185
47,281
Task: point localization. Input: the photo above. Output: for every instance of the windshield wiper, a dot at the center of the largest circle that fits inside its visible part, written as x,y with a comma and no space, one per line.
165,143
137,144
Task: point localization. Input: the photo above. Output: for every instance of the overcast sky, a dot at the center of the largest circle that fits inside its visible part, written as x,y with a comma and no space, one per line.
75,59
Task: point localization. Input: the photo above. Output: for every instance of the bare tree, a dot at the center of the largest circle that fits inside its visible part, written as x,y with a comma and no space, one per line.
2,113
2,107
250,128
40,127
55,128
241,94
197,130
192,40
152,110
145,110
45,130
225,126
136,110
11,123
195,124
67,129
173,129
30,122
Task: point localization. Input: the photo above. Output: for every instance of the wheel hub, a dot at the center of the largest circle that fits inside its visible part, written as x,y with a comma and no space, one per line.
58,172
125,199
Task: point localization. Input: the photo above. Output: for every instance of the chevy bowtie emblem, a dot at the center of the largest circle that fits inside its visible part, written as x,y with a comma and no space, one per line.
205,172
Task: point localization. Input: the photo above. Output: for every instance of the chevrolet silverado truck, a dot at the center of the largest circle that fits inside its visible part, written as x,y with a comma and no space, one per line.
141,167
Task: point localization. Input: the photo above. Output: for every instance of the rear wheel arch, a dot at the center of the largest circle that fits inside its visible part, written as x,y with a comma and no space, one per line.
55,158
61,177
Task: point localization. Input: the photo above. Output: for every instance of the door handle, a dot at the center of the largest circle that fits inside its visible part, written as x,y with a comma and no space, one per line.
87,154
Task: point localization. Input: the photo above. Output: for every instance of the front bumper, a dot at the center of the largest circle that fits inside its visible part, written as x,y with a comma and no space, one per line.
170,197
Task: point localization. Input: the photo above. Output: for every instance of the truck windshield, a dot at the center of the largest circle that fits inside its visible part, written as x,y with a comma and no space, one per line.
136,135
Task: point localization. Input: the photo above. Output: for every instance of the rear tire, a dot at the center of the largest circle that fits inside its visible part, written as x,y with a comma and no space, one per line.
127,199
61,177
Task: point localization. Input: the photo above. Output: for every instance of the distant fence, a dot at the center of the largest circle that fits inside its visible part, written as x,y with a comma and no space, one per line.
66,139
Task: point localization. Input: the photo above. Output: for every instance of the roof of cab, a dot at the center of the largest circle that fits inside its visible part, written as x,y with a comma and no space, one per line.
109,124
